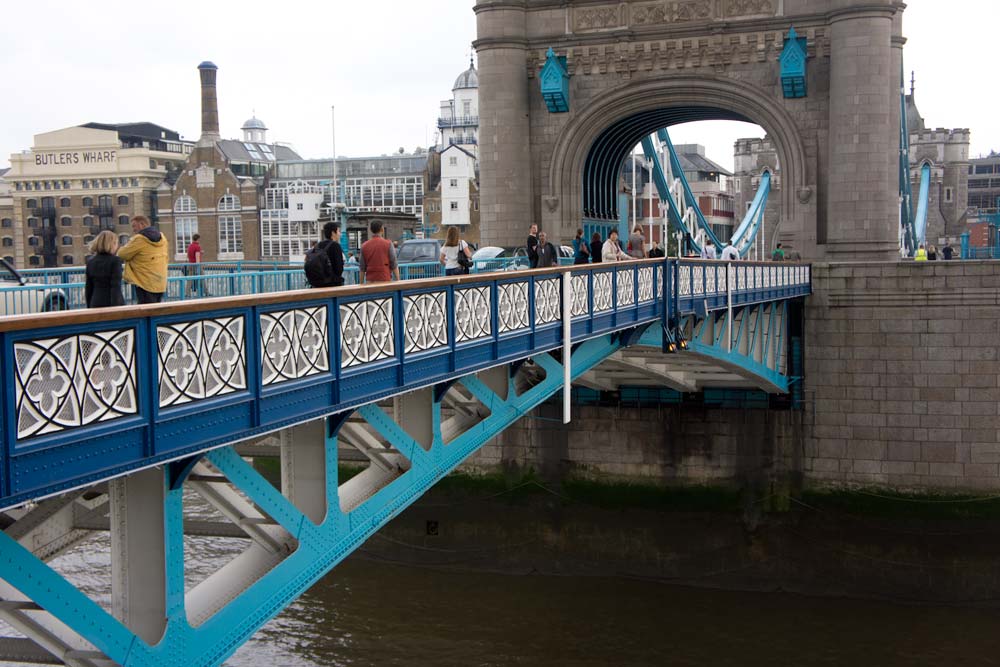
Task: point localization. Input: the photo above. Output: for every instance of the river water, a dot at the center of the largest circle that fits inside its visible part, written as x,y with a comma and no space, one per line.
367,612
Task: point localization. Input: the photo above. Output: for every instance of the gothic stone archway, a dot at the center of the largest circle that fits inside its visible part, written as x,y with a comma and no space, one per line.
838,146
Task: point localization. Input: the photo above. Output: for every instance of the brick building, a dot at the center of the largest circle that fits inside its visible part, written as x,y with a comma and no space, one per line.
217,193
75,182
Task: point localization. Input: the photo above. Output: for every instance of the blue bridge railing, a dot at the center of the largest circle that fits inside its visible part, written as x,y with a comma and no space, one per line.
116,389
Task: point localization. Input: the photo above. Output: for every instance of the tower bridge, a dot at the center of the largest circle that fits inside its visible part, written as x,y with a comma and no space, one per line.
110,416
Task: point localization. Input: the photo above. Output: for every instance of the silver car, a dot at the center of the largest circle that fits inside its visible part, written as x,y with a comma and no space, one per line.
20,297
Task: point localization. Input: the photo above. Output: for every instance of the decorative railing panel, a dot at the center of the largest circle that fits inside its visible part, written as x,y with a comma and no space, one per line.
366,332
293,344
425,325
71,381
473,314
201,359
548,301
512,312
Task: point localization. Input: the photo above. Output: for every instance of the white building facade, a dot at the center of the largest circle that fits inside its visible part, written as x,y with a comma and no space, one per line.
458,120
458,178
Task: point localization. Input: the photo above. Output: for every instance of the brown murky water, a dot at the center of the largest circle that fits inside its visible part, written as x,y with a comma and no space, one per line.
368,612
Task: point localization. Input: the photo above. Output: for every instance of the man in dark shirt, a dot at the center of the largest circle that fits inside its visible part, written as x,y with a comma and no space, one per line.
547,254
947,251
656,250
532,246
331,237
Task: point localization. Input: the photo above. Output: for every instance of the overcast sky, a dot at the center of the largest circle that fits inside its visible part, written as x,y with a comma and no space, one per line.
385,64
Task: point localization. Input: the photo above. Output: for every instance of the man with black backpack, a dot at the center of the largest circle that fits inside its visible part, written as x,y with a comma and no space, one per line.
324,265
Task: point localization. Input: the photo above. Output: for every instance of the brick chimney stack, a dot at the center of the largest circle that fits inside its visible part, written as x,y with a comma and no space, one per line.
209,105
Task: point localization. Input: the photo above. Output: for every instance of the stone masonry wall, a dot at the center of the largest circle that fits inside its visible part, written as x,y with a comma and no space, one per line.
902,390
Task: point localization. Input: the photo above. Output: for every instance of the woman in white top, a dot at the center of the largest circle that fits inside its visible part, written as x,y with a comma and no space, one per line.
451,250
612,252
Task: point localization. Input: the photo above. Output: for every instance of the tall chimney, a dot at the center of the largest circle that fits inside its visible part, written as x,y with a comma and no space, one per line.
209,105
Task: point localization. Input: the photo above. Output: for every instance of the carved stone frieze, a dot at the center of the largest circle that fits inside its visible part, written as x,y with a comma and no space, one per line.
597,18
667,12
738,8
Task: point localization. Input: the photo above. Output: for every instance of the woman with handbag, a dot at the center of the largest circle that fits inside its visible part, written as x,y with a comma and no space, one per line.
455,254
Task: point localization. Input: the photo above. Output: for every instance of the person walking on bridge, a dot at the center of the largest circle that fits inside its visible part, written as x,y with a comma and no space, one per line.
547,253
377,262
730,253
708,250
145,257
452,253
595,247
532,246
637,244
612,251
104,273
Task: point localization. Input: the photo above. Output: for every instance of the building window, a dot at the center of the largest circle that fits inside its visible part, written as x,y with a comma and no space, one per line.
88,221
85,183
298,207
8,242
64,202
31,203
453,183
454,206
122,219
88,201
67,240
230,234
453,161
123,201
6,222
66,221
185,204
9,259
948,195
67,259
32,240
475,204
184,228
33,260
122,239
135,182
466,108
88,239
32,222
231,203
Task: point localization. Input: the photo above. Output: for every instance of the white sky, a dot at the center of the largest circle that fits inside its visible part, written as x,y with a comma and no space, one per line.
386,64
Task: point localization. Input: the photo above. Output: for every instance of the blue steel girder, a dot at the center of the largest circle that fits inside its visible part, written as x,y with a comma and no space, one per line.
757,353
317,546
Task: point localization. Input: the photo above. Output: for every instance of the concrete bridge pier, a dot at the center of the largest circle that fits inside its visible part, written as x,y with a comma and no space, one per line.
138,552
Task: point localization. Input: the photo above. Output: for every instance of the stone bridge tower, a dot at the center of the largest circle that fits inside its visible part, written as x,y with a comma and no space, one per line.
636,65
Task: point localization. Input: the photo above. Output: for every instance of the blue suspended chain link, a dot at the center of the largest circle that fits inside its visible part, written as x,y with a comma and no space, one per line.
745,234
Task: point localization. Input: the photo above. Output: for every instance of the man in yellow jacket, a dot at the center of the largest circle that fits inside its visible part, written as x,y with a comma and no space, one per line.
921,254
145,257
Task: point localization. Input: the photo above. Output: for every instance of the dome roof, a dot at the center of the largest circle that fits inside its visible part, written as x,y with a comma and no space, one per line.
467,79
254,124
